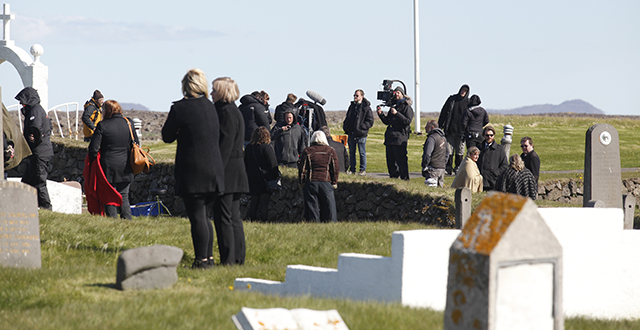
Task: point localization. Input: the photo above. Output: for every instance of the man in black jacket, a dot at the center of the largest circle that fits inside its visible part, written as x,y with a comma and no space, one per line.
289,140
434,154
37,132
254,113
450,121
287,105
398,120
530,157
475,118
92,114
341,150
357,123
492,161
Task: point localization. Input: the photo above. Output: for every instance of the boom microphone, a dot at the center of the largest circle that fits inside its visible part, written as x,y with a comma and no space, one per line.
315,97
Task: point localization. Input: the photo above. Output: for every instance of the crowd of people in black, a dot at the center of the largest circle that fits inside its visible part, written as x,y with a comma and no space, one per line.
224,151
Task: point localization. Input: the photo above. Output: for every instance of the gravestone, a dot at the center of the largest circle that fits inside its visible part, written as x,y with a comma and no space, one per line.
19,226
629,202
148,267
463,206
602,175
505,269
295,319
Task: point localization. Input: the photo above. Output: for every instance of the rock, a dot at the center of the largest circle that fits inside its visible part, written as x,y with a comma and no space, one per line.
149,267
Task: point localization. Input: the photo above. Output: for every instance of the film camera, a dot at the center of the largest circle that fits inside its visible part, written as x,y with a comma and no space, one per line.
386,95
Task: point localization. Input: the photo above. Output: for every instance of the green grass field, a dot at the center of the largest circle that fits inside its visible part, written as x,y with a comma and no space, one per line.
75,288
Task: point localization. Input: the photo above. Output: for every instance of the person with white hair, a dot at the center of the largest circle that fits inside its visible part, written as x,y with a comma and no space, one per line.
318,171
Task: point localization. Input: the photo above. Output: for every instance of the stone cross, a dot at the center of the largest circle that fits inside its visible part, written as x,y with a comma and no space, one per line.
6,17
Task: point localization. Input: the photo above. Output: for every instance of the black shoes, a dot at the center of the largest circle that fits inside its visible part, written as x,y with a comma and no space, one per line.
203,264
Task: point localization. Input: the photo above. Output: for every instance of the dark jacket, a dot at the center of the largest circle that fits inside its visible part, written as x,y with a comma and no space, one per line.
261,165
398,125
435,152
288,144
532,162
475,118
231,144
254,114
113,139
518,182
36,122
452,113
284,107
359,119
90,120
198,167
341,151
492,162
318,163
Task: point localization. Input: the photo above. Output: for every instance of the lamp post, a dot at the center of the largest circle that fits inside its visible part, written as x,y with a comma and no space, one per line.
416,46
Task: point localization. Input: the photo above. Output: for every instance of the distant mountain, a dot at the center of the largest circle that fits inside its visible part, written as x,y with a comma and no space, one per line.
573,106
133,106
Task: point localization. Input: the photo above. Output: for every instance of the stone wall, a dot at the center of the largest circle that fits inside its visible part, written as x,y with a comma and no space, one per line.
362,201
570,191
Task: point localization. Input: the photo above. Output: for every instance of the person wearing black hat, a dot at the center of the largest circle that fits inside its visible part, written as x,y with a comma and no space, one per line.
450,121
37,132
398,120
92,114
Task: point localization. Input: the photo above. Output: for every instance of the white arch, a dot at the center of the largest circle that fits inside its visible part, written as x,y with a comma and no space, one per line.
32,72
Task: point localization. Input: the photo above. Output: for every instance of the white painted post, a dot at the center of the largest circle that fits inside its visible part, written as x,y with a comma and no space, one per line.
416,37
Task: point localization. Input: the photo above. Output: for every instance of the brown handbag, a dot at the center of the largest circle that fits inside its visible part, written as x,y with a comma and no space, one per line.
141,161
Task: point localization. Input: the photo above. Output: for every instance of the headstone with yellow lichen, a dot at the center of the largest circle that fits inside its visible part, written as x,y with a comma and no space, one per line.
505,269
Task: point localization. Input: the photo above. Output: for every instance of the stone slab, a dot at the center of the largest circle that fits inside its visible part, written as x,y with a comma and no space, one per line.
602,173
153,264
281,319
66,197
19,226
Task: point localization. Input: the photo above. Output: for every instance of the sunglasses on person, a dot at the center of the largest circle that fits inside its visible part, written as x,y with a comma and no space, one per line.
488,135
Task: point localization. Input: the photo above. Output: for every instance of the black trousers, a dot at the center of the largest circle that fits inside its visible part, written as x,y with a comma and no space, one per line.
198,207
229,230
125,209
319,202
259,207
397,161
35,175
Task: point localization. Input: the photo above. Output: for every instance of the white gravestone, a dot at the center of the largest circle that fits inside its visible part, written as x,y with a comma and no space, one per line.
281,319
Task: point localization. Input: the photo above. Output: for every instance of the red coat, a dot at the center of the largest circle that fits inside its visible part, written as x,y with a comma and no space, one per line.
97,189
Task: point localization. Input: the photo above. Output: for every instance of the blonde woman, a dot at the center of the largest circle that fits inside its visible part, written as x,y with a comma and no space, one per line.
468,173
199,171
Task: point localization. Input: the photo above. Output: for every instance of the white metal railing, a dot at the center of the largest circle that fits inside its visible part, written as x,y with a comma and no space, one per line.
55,113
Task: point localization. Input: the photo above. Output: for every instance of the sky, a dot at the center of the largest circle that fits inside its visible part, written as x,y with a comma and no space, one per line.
511,53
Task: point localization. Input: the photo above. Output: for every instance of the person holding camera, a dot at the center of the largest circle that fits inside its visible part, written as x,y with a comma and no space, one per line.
398,120
289,140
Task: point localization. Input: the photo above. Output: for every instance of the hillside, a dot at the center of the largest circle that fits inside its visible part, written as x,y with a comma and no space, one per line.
573,106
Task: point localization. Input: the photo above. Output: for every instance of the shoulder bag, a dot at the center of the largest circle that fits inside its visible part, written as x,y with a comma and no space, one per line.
141,161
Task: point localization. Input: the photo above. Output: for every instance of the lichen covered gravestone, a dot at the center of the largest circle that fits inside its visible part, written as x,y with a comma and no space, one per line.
505,269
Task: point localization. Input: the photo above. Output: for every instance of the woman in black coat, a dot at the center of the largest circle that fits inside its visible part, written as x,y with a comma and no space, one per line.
226,209
262,166
199,176
112,139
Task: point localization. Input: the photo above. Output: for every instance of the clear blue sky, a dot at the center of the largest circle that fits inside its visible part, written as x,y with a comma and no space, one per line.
511,53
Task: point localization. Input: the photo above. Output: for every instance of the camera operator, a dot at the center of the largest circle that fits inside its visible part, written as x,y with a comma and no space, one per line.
398,120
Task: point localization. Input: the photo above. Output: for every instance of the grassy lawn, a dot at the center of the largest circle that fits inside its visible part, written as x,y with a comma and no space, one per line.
75,287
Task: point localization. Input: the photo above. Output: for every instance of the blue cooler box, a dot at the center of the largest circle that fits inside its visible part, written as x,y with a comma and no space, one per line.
146,209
